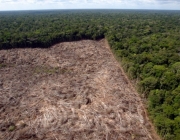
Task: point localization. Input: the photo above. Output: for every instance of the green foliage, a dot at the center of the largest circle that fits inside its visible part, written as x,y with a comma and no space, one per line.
148,83
156,98
169,80
158,70
177,127
147,70
165,126
132,72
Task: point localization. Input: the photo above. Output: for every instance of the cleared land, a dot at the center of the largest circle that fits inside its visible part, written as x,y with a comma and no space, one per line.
72,90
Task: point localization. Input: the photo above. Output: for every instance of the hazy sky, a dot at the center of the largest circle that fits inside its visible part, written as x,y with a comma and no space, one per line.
88,4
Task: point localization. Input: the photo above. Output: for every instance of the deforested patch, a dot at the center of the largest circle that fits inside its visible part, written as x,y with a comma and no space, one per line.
70,91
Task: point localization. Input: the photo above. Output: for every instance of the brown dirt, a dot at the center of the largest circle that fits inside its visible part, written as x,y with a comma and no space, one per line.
71,91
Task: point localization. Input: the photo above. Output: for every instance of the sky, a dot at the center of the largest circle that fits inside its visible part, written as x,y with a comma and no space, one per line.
6,5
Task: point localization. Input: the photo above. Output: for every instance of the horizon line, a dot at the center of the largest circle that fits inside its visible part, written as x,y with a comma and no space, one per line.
89,9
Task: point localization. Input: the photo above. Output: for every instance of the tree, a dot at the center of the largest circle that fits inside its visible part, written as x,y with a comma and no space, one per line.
148,83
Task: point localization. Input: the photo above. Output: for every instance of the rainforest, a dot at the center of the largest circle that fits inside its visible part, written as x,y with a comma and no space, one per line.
145,42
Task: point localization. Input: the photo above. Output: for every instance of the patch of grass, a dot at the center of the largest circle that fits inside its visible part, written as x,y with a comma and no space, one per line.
5,65
2,65
49,70
12,127
43,69
62,71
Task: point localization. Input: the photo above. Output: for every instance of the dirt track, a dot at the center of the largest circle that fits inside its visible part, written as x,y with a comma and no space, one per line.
71,91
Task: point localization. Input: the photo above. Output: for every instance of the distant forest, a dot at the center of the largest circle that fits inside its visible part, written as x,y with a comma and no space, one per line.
147,43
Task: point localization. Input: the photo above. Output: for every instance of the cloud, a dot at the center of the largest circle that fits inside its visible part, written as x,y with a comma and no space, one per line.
90,1
88,4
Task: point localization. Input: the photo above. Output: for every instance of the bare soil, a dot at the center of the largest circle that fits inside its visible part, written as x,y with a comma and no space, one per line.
70,91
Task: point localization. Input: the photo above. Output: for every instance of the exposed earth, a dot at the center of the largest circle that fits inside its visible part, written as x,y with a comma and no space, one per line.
70,91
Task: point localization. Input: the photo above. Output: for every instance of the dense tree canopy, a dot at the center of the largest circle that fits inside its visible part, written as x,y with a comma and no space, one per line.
146,42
